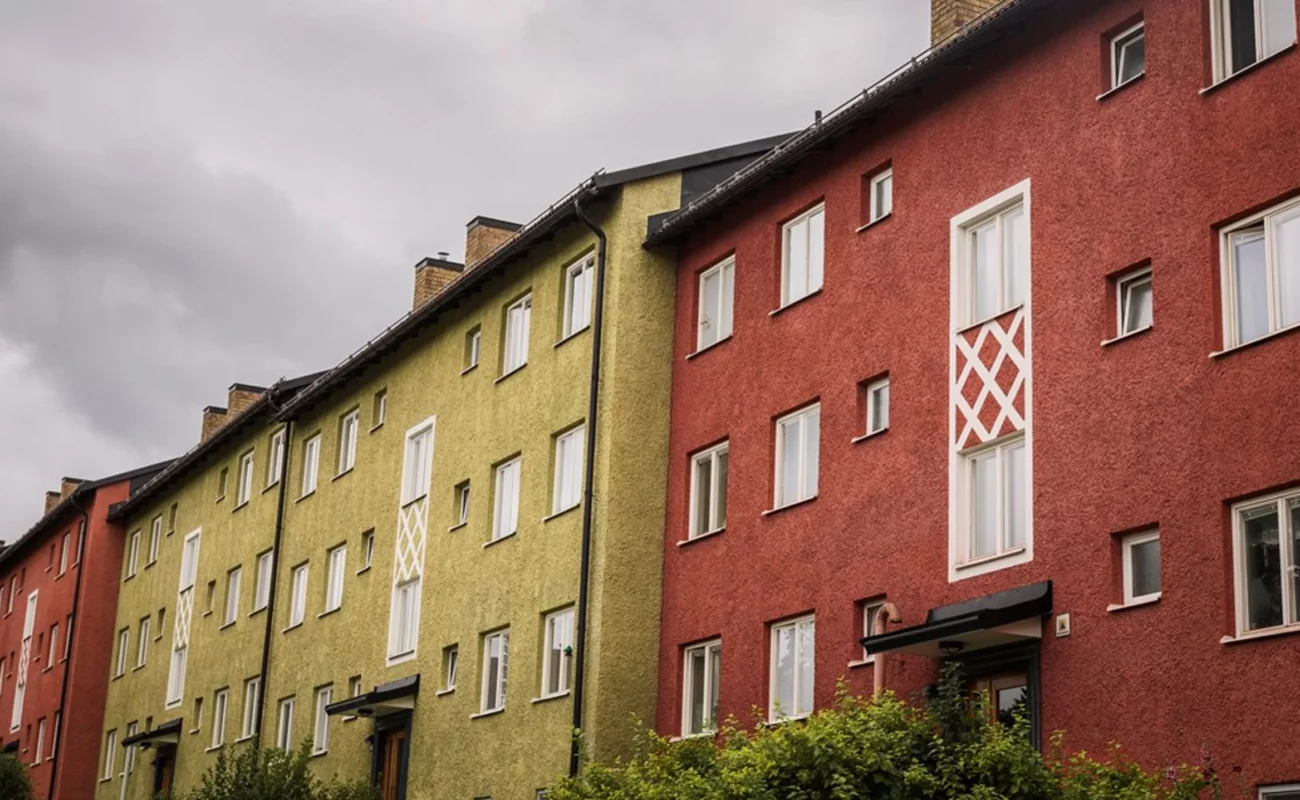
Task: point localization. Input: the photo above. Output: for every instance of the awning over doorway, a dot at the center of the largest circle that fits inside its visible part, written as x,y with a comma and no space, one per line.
1014,615
167,733
385,699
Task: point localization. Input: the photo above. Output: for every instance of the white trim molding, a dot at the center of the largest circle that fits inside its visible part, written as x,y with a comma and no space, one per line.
410,543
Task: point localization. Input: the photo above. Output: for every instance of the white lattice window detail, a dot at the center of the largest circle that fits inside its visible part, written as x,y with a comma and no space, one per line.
182,617
24,662
990,521
410,543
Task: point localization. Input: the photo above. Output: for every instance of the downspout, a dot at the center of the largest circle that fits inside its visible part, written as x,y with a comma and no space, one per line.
72,624
275,572
888,612
589,473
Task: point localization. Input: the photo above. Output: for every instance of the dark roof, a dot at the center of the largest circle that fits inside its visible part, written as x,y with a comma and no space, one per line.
950,54
541,229
982,613
169,728
258,411
385,693
53,518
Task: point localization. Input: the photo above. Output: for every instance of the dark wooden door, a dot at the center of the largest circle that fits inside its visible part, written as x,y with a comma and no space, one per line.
390,764
164,765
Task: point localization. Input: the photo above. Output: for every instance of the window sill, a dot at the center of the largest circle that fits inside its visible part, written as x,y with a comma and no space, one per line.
550,697
1109,93
347,471
701,351
981,561
469,369
220,499
458,526
408,503
501,539
1253,342
514,371
146,566
561,513
1267,633
794,303
375,427
239,506
1214,87
138,667
572,336
1135,603
251,614
124,580
319,753
492,713
292,627
772,723
864,437
788,506
229,624
1123,337
862,662
214,748
979,323
302,497
51,666
874,223
265,489
243,739
328,613
400,658
207,613
444,692
363,570
701,537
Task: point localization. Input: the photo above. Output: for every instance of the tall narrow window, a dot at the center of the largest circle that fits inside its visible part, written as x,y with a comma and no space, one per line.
40,740
1248,31
702,675
155,537
450,659
54,735
223,481
110,753
298,596
557,652
996,488
284,725
797,444
245,489
334,585
142,646
877,394
63,553
1134,296
262,590
1266,550
1141,555
252,696
321,730
123,647
709,490
515,348
348,440
998,263
310,464
220,703
1262,276
405,618
716,300
578,279
53,650
1128,55
171,519
415,471
462,503
275,461
379,409
496,658
870,609
567,490
802,255
505,511
793,654
473,348
233,579
882,195
367,549
133,555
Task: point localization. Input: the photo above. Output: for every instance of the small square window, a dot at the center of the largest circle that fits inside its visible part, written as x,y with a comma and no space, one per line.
460,508
450,659
1128,55
1135,299
473,348
1141,567
870,610
379,410
367,549
877,402
882,196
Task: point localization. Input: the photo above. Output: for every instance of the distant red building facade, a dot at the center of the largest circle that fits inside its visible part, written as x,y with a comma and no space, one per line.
1010,344
58,598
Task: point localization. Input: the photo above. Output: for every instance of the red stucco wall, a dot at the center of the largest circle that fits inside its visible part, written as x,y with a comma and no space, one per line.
1149,431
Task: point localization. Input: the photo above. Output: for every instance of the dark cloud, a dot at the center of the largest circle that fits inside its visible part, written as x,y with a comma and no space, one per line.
193,194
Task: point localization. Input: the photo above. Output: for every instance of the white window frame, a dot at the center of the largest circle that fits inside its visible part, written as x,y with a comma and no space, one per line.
1266,792
349,424
334,582
40,741
474,349
565,618
262,587
875,423
577,309
499,688
404,620
773,713
1124,287
505,501
367,550
110,753
462,504
514,349
320,740
252,696
52,650
566,485
717,491
870,608
275,462
244,491
299,576
133,555
142,647
63,553
720,320
179,662
997,217
284,723
711,691
1126,548
379,414
54,735
803,494
1287,567
220,706
310,464
966,517
875,212
417,463
1269,219
816,272
123,647
1118,51
1221,33
450,667
234,579
155,538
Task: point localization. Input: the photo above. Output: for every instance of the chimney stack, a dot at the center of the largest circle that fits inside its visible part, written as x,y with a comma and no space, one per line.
483,235
431,274
51,500
68,486
240,397
950,16
213,417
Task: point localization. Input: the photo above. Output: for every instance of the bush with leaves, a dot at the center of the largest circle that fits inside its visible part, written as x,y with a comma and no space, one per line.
14,781
250,773
877,750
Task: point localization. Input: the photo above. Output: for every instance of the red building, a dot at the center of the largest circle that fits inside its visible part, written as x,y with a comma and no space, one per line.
58,598
1008,342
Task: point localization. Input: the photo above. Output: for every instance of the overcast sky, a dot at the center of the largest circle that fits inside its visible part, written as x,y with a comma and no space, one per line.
197,193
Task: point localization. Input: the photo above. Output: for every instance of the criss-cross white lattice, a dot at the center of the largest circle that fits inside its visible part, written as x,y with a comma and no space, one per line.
184,610
972,367
24,661
412,530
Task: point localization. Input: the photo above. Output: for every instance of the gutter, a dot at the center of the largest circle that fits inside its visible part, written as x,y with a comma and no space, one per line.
593,397
72,624
275,575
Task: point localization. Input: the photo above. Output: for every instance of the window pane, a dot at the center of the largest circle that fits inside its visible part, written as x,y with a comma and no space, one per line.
1011,702
1132,58
1015,491
1279,25
785,666
884,196
1251,285
984,270
715,680
728,299
1293,507
816,250
879,409
1137,306
696,671
1263,567
796,273
1286,252
806,656
1015,257
984,505
720,501
1241,24
1146,568
812,445
710,292
703,498
790,446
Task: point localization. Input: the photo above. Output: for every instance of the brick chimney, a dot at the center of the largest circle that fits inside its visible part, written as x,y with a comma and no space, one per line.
949,16
483,235
431,274
68,486
51,500
240,397
213,417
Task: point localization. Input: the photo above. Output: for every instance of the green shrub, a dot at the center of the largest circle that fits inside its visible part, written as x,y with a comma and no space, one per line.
249,773
876,750
14,781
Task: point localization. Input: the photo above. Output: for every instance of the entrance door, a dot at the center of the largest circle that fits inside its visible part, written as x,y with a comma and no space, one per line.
1008,695
164,764
392,762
